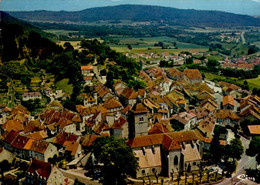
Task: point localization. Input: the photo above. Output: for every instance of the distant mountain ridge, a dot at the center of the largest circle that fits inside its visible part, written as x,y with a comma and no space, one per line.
142,13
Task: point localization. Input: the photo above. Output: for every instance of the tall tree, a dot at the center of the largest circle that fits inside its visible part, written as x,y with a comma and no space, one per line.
117,157
235,149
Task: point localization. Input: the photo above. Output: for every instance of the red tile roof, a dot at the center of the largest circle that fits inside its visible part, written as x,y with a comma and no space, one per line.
42,169
228,100
192,74
158,128
254,129
87,68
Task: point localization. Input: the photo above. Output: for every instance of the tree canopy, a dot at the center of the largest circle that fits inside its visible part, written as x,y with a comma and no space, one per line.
117,157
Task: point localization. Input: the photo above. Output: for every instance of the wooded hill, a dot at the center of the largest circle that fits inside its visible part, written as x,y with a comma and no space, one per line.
140,13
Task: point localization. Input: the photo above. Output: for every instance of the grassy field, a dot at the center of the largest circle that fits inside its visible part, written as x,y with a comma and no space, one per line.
142,44
253,82
60,32
63,84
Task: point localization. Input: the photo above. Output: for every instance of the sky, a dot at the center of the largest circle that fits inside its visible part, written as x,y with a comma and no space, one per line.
247,7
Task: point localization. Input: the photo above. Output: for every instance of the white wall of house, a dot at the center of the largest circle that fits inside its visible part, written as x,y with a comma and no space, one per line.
50,152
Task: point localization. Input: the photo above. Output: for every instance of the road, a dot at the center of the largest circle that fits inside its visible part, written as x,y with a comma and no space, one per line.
244,163
243,38
79,174
95,70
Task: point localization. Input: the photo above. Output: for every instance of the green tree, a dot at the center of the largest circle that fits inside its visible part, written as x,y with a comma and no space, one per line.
117,157
254,147
235,149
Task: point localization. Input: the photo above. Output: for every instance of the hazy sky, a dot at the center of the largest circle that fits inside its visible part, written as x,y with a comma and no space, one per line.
249,7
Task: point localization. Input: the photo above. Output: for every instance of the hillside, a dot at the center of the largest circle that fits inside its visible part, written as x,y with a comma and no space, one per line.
27,27
141,13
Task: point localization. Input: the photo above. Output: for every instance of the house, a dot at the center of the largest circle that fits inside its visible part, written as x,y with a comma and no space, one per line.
138,120
206,126
168,151
158,128
31,96
18,146
254,130
13,124
128,96
56,177
38,173
4,114
88,80
73,150
87,70
186,119
246,67
120,128
33,125
113,105
226,117
228,102
7,138
41,150
90,100
193,75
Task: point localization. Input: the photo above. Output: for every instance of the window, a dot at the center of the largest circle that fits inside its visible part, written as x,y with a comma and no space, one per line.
141,119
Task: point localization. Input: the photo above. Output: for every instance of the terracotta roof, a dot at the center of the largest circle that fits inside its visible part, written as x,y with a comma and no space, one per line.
10,136
173,72
87,67
148,157
72,147
42,169
13,124
158,128
226,114
112,104
19,108
88,139
228,100
254,129
28,144
6,109
38,135
126,109
76,118
139,108
19,142
170,141
102,92
192,74
119,123
129,93
191,153
31,94
33,125
39,146
141,92
61,137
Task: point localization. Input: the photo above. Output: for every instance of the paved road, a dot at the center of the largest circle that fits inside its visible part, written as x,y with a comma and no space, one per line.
79,174
244,163
103,81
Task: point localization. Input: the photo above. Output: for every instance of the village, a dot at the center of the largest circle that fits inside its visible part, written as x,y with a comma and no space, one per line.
169,125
